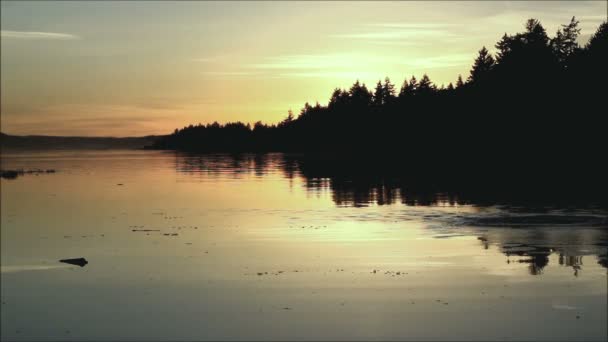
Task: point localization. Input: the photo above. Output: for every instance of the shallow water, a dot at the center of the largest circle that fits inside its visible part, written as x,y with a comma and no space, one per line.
185,247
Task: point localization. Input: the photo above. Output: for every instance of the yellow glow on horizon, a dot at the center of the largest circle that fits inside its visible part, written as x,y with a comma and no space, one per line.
188,63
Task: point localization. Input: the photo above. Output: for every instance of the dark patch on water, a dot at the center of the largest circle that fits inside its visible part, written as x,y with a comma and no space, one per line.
76,261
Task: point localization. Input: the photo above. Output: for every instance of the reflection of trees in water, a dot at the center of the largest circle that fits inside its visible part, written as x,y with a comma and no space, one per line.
537,254
603,259
358,187
574,261
361,183
373,182
357,192
233,165
537,259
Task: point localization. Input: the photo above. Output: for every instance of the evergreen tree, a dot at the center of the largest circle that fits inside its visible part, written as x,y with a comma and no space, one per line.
528,48
535,34
378,99
307,109
388,91
413,87
459,82
289,119
335,98
595,55
404,89
504,47
599,41
425,87
360,96
564,44
482,66
258,125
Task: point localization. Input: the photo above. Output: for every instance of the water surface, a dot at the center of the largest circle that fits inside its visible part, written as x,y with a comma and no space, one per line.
220,247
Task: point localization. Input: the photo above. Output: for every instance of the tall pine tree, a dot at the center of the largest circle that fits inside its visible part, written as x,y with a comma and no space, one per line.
482,66
564,44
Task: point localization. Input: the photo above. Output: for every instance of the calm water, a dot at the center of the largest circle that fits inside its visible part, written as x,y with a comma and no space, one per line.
251,247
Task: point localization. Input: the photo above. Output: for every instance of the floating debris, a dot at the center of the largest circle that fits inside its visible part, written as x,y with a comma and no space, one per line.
77,261
12,174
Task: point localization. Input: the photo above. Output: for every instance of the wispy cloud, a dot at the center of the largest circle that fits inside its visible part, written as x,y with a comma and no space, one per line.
446,61
37,35
229,73
599,18
209,59
351,65
396,43
398,31
395,34
321,61
349,75
413,25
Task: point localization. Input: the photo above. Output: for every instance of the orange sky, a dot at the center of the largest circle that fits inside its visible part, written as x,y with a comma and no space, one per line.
137,68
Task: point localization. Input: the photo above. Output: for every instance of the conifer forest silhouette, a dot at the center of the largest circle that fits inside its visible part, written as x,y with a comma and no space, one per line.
530,118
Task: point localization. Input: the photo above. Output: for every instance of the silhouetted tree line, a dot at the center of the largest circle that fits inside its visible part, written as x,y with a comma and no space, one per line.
533,110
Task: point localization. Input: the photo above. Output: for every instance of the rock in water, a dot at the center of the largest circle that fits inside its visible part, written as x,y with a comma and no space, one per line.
78,261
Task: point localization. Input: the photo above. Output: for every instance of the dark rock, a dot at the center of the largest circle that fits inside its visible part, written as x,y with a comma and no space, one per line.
77,261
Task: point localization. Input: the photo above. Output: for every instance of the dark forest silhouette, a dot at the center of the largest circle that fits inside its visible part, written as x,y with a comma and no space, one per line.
534,111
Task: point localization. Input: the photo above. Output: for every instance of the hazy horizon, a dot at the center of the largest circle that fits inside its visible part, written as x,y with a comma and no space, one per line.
145,68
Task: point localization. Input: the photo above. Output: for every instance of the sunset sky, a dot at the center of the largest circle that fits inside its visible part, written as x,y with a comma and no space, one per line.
136,68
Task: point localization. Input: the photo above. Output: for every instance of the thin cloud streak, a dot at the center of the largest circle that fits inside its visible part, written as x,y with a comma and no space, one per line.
229,73
209,59
33,35
396,34
321,61
447,61
413,25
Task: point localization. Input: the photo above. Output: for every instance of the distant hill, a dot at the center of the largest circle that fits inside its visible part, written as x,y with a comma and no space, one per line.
45,142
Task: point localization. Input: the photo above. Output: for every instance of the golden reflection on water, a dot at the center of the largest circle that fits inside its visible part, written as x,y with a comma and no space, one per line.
246,247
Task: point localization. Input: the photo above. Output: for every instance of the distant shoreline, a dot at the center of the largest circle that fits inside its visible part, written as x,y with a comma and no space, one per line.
46,142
